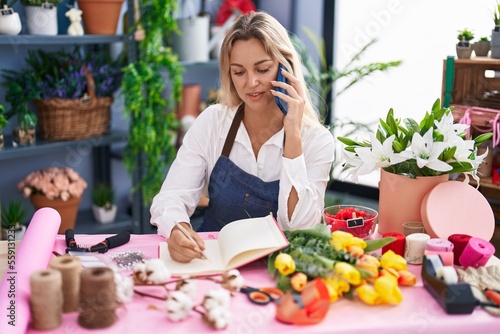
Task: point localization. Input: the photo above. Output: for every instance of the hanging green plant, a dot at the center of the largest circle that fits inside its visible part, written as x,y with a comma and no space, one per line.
153,123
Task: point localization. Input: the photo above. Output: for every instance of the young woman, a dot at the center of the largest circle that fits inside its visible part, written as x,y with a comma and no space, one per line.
244,153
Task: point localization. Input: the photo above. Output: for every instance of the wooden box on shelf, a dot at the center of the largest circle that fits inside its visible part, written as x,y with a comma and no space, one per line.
473,82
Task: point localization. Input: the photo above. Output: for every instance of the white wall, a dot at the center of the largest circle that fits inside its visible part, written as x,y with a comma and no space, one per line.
421,33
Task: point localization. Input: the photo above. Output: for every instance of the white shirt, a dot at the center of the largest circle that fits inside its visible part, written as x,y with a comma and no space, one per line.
202,146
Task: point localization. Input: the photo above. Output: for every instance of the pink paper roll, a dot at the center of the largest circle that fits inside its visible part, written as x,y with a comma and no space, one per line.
476,253
439,245
33,254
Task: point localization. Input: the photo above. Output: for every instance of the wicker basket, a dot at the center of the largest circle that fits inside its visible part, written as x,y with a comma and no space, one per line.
72,119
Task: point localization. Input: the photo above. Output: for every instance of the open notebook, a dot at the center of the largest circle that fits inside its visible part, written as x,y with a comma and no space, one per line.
238,243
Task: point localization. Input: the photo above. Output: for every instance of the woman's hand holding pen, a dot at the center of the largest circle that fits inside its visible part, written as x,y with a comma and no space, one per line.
181,248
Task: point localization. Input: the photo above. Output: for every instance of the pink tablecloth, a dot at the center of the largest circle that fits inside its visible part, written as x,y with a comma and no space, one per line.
417,313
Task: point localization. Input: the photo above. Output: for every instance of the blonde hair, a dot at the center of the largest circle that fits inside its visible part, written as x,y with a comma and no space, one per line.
274,37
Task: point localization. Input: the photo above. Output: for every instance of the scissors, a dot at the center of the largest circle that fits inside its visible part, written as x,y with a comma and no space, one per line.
262,296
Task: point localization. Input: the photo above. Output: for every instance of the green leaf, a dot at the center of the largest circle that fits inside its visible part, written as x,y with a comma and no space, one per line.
375,244
347,141
482,138
318,230
271,269
283,283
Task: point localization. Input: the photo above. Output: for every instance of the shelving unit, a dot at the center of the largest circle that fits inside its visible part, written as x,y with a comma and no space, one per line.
100,146
466,84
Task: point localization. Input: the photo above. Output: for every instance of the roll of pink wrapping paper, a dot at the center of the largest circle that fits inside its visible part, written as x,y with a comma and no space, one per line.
33,253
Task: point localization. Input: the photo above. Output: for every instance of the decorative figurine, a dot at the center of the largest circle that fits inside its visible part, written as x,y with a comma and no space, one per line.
75,17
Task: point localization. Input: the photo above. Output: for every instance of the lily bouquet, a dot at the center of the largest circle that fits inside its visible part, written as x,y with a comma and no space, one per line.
433,147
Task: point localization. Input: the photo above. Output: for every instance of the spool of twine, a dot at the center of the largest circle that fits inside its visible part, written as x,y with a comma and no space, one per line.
70,268
46,299
97,298
413,227
415,247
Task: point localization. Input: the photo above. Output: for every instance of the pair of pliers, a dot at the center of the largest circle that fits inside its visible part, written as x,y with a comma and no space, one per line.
102,247
262,296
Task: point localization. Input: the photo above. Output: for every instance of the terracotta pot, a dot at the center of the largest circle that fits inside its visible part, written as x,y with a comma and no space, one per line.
400,199
100,17
67,209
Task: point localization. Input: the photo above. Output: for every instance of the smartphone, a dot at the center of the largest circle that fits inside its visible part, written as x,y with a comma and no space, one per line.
281,104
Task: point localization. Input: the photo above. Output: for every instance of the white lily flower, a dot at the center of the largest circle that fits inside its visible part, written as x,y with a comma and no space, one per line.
354,163
448,128
427,152
379,155
464,150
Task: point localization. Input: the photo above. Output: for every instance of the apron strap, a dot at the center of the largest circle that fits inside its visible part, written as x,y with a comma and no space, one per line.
228,144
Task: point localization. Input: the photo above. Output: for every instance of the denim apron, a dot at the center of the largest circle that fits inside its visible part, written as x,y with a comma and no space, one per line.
235,194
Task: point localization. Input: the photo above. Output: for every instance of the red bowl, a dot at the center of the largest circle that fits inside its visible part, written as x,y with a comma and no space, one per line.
358,220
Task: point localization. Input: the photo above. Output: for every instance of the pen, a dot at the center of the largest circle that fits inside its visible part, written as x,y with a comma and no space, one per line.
186,233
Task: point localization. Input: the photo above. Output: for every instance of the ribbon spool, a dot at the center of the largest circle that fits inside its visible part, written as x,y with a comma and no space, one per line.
98,300
397,246
415,247
459,242
477,253
441,247
46,299
70,268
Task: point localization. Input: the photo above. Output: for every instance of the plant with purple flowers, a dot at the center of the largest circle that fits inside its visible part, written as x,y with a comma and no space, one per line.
59,74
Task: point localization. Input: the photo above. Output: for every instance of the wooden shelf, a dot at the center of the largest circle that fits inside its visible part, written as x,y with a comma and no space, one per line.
44,146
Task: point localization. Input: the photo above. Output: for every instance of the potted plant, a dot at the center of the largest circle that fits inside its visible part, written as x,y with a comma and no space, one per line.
60,188
464,49
24,133
3,123
153,123
482,47
72,92
413,157
10,23
13,220
103,206
41,16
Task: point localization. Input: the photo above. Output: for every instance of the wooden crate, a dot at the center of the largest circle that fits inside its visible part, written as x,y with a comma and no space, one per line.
470,85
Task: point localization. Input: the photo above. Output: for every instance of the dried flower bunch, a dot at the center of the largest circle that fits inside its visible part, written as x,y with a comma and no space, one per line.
180,302
53,183
435,146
